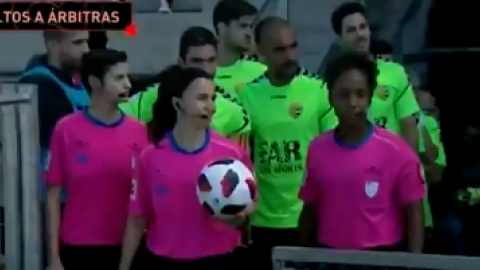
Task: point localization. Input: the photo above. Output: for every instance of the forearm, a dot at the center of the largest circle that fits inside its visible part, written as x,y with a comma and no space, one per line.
133,235
53,210
307,227
414,227
431,150
411,136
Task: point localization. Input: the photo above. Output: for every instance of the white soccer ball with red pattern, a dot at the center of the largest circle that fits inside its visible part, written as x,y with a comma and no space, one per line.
226,188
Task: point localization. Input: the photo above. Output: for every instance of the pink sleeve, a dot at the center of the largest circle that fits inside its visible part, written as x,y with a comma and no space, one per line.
54,170
410,183
310,189
140,200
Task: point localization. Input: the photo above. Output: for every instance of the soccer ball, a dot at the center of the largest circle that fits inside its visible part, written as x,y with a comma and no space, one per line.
226,187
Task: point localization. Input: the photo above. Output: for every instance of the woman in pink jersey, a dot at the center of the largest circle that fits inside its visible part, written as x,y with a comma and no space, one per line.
364,185
90,157
181,234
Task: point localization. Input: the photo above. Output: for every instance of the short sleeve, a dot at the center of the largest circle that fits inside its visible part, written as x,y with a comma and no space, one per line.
140,200
140,105
310,189
410,183
231,117
54,166
405,103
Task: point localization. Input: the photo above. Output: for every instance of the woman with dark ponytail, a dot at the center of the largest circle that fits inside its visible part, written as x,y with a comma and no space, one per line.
181,234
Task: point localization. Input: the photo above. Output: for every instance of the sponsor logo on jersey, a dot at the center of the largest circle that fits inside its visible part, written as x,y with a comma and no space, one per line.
295,110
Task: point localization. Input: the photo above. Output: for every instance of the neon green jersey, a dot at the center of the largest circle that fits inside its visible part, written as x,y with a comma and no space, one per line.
229,119
284,121
433,129
393,99
235,76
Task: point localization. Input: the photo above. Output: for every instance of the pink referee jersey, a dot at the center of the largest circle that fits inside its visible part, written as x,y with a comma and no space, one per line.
164,192
359,190
92,162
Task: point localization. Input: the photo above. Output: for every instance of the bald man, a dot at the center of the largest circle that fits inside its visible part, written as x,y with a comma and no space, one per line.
288,107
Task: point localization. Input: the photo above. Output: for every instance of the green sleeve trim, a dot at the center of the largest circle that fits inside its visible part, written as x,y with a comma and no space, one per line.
139,109
232,99
402,93
325,114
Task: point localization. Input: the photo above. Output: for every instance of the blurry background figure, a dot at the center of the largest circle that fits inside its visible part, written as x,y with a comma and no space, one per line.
165,6
381,49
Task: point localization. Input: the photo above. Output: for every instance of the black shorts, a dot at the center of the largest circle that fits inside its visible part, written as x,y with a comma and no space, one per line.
265,239
90,257
219,262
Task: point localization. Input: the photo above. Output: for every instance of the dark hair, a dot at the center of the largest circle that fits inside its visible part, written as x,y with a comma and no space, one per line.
226,11
175,80
97,63
97,40
196,36
342,11
348,61
381,46
266,24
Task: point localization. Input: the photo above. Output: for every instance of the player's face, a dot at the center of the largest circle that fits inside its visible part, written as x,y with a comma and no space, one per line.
116,84
350,97
201,57
355,33
239,33
71,48
279,49
197,103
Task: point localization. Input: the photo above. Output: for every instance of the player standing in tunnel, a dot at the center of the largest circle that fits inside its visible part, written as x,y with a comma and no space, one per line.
233,22
394,106
288,107
198,49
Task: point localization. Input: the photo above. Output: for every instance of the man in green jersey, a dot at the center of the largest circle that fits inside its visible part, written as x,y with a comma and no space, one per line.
233,20
198,48
393,106
288,107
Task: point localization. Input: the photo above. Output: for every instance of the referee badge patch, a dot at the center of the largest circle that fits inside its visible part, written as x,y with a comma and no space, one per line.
295,110
371,188
383,92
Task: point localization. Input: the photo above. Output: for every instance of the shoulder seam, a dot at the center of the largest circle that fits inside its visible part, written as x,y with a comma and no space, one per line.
404,90
226,95
253,58
139,112
229,97
305,72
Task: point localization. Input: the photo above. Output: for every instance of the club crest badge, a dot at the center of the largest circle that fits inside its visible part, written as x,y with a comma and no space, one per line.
239,86
383,92
295,110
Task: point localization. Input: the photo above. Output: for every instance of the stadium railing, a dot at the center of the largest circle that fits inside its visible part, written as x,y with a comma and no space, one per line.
20,174
325,258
